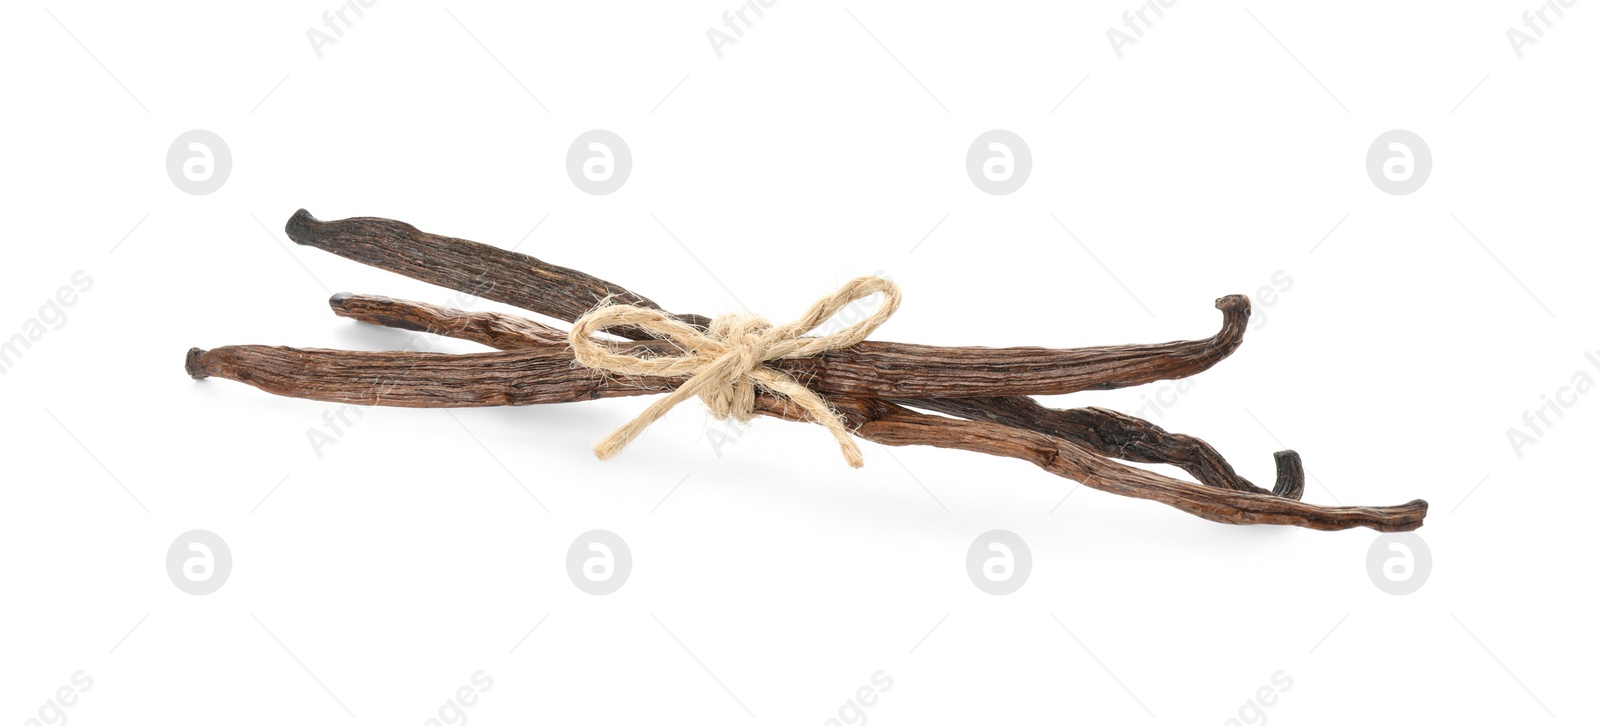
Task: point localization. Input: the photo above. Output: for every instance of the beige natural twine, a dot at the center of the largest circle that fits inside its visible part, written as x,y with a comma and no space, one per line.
725,363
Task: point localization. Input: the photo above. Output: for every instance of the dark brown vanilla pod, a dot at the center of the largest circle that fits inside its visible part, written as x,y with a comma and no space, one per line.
868,368
867,385
1109,433
429,380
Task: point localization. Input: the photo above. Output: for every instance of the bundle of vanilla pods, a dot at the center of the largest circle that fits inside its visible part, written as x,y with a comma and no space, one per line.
876,388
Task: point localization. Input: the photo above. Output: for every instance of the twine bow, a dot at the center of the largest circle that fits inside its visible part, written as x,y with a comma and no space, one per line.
725,363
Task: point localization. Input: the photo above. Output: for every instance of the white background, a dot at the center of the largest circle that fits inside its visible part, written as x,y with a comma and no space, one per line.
372,582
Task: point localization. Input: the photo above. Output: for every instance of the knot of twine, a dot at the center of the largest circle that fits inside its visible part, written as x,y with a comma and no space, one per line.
726,362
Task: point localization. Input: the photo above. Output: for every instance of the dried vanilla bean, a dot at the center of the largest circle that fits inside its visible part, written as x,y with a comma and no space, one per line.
871,368
427,380
1109,433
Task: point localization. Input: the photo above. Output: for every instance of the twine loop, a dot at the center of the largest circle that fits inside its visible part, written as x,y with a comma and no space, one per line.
725,363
